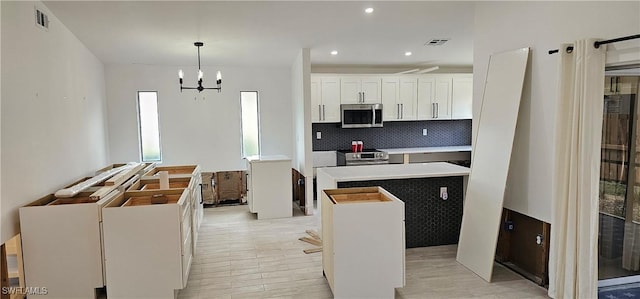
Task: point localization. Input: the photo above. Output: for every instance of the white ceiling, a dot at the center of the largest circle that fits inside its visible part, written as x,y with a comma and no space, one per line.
268,33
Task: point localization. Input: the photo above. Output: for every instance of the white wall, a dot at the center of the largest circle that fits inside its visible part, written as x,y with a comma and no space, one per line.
502,26
53,118
301,98
199,128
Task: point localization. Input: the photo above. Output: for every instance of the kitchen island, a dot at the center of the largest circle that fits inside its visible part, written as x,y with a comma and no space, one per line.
431,218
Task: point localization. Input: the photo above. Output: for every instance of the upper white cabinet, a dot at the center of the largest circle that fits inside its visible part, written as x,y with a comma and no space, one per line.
399,98
325,99
408,97
358,90
390,94
442,98
445,96
461,97
426,95
404,97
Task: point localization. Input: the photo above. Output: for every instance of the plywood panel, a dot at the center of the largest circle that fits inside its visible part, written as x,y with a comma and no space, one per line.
490,162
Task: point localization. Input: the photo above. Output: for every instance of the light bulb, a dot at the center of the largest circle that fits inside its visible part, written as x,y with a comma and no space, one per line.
218,76
180,74
200,74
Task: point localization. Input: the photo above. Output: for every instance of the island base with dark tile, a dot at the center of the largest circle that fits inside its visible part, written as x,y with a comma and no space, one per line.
429,219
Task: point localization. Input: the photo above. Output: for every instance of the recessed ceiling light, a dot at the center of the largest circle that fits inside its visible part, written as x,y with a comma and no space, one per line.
334,52
407,53
368,10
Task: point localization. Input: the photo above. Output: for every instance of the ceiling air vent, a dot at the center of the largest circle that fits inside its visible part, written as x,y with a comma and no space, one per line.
436,42
42,20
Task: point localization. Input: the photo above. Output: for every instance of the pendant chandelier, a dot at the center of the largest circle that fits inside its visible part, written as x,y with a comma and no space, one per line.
200,88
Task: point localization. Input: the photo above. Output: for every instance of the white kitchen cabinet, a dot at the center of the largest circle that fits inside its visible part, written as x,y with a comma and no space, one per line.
399,98
390,98
325,99
148,247
62,238
445,96
442,98
434,96
426,94
360,90
363,250
62,245
408,98
461,97
269,190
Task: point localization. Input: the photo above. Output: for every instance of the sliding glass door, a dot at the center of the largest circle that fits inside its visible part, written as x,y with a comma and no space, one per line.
619,218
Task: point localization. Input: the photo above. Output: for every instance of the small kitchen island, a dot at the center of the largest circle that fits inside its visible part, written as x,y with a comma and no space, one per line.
431,217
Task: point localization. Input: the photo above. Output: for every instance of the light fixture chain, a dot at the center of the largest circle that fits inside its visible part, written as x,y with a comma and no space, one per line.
199,58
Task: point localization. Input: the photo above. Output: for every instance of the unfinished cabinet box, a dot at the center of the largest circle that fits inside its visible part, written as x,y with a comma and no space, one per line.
62,245
148,247
269,186
192,184
191,172
174,171
363,245
208,194
228,185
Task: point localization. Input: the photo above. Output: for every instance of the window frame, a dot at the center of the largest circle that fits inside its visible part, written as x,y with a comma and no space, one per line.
140,147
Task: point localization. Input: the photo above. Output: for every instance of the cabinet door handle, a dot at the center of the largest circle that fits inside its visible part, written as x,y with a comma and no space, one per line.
433,110
324,115
319,112
397,111
402,111
437,111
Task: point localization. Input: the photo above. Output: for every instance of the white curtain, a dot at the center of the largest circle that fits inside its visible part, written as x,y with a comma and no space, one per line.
573,256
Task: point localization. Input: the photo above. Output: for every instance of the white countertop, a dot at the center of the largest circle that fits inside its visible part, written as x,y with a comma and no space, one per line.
393,171
432,149
324,158
267,158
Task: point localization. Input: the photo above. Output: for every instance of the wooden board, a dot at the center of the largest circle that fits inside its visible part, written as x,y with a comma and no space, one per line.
146,200
312,241
358,198
313,234
312,250
173,170
123,176
490,163
72,200
172,185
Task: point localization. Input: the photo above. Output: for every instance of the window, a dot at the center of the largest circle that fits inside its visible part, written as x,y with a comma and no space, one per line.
250,123
149,129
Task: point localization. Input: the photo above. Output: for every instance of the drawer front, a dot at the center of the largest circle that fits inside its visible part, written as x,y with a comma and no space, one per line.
186,226
186,259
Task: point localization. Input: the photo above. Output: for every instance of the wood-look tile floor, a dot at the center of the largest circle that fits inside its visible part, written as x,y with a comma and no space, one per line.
238,256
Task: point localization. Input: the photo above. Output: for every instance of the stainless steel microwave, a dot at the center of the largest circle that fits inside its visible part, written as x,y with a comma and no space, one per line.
361,115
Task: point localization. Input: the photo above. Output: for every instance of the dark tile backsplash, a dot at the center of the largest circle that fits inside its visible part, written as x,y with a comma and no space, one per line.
394,135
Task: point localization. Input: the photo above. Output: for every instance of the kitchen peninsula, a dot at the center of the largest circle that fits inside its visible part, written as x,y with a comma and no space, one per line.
432,193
